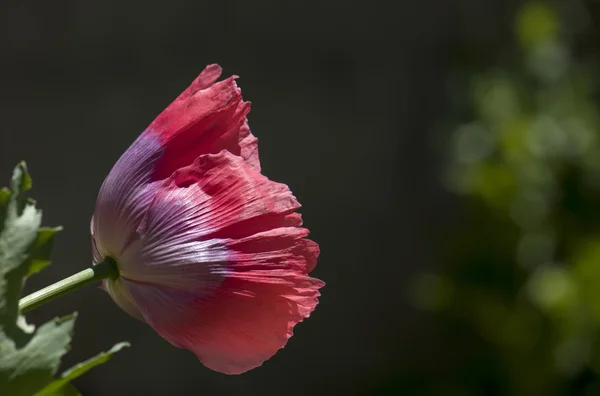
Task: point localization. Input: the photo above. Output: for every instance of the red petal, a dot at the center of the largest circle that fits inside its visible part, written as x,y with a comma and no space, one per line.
230,192
206,118
239,326
222,264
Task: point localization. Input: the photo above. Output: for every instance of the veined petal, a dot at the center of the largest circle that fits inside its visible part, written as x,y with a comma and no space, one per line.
206,118
211,253
221,265
124,198
205,79
121,296
194,211
235,328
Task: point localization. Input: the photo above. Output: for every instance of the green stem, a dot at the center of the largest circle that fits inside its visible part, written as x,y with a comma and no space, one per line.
103,270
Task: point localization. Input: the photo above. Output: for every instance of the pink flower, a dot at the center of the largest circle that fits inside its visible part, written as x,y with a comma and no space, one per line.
211,253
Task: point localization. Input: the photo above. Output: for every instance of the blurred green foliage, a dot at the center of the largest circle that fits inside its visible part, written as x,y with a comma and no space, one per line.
517,294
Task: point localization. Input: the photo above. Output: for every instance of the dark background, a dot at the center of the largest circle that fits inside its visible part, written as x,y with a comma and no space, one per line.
347,102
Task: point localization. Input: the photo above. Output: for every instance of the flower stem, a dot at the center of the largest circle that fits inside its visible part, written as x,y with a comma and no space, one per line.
103,270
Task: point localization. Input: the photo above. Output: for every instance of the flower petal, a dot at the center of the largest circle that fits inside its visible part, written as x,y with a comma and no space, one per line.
220,266
124,198
199,204
239,326
121,296
207,77
206,118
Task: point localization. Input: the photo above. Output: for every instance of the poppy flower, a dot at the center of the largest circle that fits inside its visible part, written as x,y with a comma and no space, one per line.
211,253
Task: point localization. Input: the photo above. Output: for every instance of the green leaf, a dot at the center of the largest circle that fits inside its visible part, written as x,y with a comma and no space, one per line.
40,251
28,358
67,390
18,232
23,371
58,386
